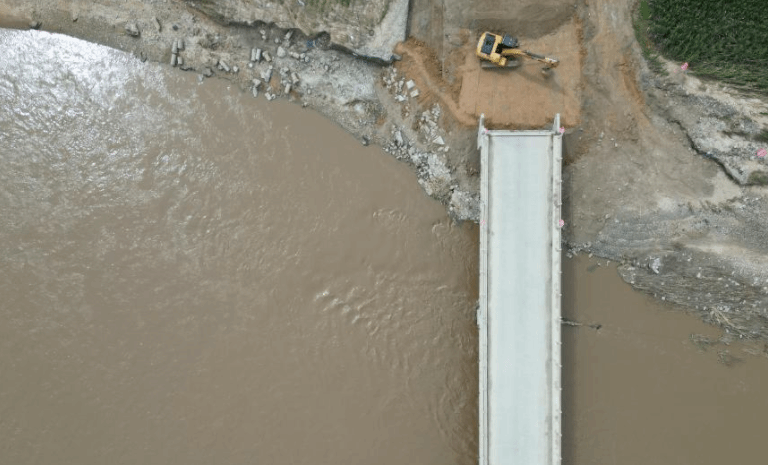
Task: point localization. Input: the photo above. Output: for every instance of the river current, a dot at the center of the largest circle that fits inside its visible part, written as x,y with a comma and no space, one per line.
189,275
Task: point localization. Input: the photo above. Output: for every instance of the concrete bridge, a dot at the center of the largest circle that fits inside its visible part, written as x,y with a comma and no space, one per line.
519,312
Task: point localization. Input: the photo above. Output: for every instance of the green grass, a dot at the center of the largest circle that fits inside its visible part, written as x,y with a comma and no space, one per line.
642,27
758,178
723,39
763,136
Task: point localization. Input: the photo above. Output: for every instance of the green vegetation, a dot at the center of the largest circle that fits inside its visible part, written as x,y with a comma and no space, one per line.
642,26
763,136
758,178
723,39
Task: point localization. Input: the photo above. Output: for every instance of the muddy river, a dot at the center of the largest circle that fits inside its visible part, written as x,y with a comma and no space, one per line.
653,385
192,276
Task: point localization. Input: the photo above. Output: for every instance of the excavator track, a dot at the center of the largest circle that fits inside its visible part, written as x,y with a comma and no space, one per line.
510,64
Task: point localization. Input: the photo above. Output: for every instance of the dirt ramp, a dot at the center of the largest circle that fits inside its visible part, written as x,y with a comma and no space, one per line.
525,97
521,97
526,19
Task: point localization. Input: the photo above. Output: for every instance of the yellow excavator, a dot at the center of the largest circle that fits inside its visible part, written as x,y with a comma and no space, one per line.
497,51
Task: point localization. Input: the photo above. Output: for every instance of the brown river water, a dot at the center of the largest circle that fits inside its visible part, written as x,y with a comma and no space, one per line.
192,276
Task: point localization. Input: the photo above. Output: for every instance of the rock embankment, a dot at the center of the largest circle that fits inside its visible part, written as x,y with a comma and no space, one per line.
368,29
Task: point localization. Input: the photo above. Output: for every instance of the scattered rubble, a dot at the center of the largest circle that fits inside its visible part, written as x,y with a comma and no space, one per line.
266,75
132,29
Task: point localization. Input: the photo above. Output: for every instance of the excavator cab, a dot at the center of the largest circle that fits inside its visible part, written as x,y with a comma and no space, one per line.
491,46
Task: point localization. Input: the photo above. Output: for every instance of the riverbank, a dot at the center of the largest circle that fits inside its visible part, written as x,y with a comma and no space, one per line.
662,173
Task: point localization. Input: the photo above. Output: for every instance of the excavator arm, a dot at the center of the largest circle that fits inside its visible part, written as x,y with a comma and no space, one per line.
503,51
515,52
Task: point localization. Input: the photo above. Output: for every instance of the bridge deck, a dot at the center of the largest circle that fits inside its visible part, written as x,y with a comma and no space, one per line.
519,311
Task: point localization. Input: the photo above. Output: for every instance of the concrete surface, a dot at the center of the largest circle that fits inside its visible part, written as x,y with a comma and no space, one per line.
519,314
